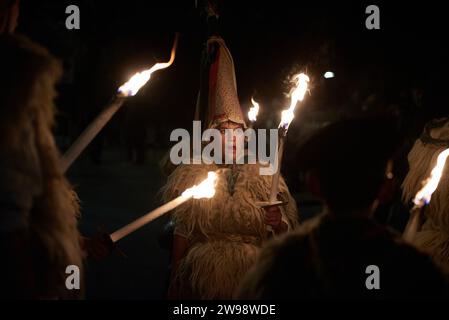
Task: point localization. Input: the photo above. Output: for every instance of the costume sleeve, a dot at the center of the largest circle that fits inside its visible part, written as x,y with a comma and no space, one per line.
180,230
16,201
188,215
286,221
20,184
290,214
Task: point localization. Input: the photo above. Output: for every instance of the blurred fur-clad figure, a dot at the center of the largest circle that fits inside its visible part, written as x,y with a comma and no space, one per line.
217,240
329,255
434,234
9,14
38,209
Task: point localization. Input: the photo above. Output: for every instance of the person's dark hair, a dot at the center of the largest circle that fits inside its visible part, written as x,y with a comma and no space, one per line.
349,159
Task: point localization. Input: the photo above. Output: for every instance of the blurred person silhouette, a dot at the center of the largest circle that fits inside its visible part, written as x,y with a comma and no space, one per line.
38,208
348,166
9,15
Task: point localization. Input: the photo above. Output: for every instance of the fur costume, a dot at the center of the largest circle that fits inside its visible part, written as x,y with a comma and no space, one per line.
38,209
434,235
224,232
9,12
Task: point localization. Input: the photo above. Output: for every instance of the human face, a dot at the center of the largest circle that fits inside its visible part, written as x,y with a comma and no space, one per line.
230,146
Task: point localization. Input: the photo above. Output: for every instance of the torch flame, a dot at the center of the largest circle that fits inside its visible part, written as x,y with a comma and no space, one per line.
205,189
253,111
297,94
139,79
430,184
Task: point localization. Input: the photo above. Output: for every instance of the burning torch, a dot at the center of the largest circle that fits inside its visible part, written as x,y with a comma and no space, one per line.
422,198
297,94
206,189
127,90
253,112
300,88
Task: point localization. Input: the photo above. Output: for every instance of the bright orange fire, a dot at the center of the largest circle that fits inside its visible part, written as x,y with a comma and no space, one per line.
430,184
205,189
138,80
300,88
253,111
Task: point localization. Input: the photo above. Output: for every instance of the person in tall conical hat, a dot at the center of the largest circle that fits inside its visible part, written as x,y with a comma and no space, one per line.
221,91
433,237
217,240
217,101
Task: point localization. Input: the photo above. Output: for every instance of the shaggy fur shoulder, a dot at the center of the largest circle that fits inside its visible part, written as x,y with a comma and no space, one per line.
238,190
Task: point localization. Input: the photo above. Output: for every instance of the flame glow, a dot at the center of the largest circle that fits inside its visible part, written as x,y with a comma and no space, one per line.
430,184
139,79
301,85
253,111
205,189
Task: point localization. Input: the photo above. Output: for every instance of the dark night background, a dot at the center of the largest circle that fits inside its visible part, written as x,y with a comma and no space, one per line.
401,69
